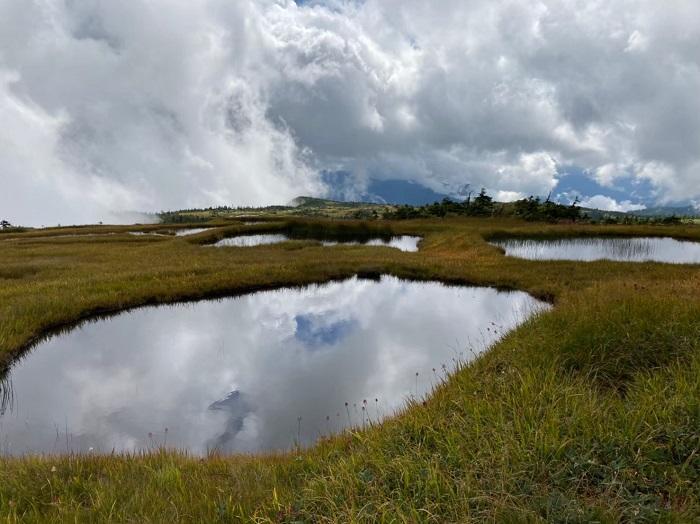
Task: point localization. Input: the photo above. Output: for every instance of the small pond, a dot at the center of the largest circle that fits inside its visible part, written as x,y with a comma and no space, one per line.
403,242
647,249
257,372
252,240
177,232
146,234
193,231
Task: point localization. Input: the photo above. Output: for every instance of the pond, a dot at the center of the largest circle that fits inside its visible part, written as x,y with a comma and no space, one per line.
403,242
251,240
176,232
258,372
193,231
646,249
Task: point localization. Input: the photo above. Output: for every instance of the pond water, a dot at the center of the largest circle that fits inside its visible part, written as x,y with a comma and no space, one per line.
257,372
251,240
193,231
177,232
146,234
619,249
403,242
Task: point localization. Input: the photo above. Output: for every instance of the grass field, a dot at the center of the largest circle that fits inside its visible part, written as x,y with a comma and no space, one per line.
590,412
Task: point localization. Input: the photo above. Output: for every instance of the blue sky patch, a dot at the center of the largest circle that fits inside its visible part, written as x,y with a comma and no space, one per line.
575,181
315,331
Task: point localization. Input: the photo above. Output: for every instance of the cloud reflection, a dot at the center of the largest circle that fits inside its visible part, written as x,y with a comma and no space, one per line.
666,250
250,373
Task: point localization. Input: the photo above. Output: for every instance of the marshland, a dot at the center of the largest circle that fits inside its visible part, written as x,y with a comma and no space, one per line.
349,261
584,409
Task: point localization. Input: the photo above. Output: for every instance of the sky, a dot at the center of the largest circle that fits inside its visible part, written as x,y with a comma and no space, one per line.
109,108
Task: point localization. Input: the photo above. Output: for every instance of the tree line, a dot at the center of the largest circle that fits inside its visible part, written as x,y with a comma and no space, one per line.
482,205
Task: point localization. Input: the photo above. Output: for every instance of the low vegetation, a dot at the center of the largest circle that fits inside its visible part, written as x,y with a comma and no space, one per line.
299,207
590,412
532,209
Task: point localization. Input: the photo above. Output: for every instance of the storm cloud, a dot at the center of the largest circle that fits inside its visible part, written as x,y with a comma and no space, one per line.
108,107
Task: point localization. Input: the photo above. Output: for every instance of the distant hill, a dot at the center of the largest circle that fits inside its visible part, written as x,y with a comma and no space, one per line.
597,214
323,207
402,192
343,187
312,202
300,206
667,211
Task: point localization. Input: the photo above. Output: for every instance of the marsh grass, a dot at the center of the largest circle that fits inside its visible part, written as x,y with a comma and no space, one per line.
590,412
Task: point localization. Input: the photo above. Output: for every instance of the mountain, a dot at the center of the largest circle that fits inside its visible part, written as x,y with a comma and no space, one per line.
402,192
667,211
344,187
598,214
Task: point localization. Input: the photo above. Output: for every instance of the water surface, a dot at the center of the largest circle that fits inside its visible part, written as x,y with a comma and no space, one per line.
251,240
256,372
176,232
147,234
193,231
403,243
647,249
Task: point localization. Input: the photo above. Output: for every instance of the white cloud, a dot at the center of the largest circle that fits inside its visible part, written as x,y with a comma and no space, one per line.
120,106
37,182
155,104
610,204
607,174
509,196
658,173
637,42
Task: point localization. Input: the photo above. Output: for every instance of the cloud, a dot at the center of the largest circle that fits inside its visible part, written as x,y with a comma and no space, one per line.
117,106
607,174
610,204
637,42
148,105
36,180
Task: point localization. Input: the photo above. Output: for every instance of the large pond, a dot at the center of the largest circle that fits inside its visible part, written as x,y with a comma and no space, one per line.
264,371
619,249
403,242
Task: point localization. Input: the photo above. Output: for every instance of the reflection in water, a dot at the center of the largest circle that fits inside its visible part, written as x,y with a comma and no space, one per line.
620,249
146,234
193,231
177,232
251,240
257,372
404,242
6,394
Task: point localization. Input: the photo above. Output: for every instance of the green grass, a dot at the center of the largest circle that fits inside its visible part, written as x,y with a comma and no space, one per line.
590,412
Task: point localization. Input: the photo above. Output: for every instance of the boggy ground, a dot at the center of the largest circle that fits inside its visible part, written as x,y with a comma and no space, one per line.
588,412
